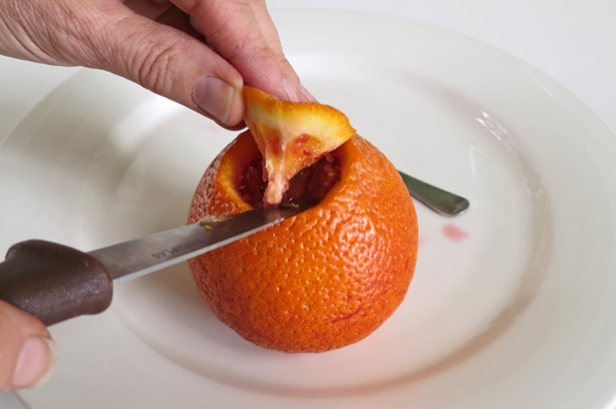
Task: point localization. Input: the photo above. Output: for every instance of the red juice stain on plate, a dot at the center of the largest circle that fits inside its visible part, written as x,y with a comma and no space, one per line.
454,233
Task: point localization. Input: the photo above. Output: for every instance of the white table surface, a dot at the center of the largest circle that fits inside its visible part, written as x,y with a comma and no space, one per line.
573,41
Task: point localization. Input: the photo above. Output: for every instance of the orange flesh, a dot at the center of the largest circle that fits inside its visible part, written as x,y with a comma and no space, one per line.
311,183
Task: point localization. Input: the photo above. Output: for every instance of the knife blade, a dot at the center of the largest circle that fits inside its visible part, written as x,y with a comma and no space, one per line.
54,282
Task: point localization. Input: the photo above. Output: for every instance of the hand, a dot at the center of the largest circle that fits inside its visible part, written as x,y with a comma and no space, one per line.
26,349
196,52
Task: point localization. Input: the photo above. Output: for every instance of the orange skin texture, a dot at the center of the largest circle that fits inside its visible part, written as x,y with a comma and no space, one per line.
323,279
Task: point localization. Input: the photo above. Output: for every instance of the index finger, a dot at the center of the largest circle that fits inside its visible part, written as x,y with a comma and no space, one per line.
243,33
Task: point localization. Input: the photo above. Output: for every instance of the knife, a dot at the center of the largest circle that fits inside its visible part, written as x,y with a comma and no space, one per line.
54,282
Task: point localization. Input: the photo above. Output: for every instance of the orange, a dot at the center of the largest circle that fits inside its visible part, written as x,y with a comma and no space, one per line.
291,136
323,279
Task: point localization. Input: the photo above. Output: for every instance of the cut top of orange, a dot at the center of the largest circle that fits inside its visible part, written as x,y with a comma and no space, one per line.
291,136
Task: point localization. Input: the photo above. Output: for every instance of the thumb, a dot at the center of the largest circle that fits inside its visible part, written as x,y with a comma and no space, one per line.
252,46
162,59
27,352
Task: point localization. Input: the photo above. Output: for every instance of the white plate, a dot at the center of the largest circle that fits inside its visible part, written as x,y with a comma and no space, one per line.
513,304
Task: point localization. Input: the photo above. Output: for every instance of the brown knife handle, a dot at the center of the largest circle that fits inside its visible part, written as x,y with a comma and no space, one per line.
54,282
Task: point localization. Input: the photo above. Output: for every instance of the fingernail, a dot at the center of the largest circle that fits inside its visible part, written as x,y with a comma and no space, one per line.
214,96
307,95
35,362
292,94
